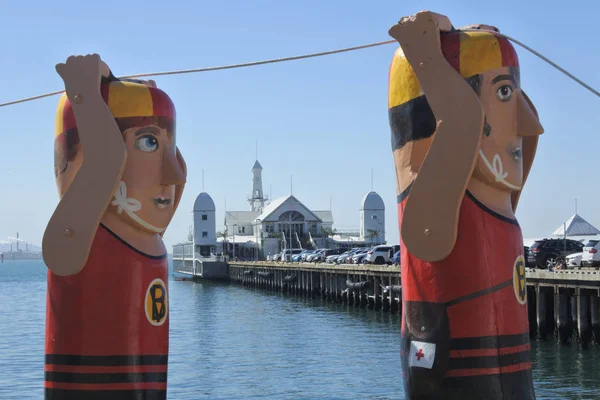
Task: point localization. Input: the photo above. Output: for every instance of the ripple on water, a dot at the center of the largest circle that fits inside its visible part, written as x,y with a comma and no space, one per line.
228,342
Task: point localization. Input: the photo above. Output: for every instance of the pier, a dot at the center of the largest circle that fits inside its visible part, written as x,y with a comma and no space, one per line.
564,304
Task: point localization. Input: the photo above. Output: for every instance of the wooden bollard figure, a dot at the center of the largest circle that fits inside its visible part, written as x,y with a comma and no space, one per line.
120,177
464,136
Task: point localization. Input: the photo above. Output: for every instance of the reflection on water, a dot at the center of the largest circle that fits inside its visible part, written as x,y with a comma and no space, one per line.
566,371
229,342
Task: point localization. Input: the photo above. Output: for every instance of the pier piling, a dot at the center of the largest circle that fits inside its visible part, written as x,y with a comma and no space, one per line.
595,315
583,317
565,303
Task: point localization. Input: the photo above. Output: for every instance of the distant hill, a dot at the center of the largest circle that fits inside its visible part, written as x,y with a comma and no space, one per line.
4,247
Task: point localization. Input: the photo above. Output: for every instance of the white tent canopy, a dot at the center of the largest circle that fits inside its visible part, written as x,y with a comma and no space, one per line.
576,226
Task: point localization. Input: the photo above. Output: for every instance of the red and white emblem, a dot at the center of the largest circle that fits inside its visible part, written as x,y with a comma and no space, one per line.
421,354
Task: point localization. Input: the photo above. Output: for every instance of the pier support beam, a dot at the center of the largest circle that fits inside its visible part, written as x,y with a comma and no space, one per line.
583,317
562,313
595,314
540,305
532,310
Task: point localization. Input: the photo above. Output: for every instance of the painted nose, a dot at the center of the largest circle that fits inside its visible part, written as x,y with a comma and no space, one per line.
528,123
172,170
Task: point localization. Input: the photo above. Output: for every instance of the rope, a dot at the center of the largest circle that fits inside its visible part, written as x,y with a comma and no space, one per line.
319,54
206,69
543,58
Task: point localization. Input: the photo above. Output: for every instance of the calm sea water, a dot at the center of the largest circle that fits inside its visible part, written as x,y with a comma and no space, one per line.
229,343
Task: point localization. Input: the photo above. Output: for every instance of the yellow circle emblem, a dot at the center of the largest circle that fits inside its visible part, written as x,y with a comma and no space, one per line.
519,283
156,302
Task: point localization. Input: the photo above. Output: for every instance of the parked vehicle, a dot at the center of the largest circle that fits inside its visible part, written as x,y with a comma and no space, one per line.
328,252
308,253
545,252
333,254
574,260
591,254
310,257
529,263
346,258
359,258
287,254
330,259
298,257
381,254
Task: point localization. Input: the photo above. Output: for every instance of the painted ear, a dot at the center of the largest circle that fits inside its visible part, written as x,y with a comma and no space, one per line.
178,188
529,149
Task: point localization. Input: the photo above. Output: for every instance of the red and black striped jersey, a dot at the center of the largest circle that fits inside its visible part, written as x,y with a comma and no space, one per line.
107,327
473,306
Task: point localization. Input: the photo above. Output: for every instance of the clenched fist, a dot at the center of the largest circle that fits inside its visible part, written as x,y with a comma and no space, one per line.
82,76
421,32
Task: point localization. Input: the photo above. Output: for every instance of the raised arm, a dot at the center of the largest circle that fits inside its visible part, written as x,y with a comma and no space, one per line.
70,232
430,218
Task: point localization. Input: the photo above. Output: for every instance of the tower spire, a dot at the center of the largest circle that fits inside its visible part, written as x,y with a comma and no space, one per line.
257,200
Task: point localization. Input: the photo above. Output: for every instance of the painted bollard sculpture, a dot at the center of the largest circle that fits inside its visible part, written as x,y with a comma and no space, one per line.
464,136
120,177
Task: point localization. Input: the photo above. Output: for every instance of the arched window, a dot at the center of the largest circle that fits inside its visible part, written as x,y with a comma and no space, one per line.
293,216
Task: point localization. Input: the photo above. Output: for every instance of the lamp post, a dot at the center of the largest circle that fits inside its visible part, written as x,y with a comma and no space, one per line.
258,237
233,253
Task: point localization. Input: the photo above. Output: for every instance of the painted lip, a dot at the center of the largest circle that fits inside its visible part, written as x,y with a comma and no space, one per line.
162,202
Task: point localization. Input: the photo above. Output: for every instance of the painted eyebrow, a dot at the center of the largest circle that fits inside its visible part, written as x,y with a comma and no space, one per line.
504,78
148,129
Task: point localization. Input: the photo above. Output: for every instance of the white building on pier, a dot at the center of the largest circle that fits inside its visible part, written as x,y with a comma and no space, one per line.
285,222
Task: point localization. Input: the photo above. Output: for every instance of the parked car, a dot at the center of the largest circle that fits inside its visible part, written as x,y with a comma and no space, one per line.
328,252
287,254
529,262
308,253
574,260
591,254
347,257
310,257
544,252
298,257
333,254
381,254
359,258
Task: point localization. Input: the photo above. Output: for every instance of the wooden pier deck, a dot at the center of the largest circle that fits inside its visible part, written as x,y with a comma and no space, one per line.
564,304
373,286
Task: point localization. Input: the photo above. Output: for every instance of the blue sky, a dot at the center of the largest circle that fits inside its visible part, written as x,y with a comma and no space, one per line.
322,120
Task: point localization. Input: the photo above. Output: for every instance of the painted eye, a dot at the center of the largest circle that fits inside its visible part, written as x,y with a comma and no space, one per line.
147,143
504,92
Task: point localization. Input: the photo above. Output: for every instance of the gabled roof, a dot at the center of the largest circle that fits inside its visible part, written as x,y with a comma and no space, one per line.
240,217
325,216
277,203
576,226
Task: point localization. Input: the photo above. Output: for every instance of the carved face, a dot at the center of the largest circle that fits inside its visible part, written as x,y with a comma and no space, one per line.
509,117
154,175
145,198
